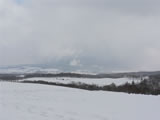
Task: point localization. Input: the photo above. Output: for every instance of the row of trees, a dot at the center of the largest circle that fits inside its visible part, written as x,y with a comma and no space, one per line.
144,87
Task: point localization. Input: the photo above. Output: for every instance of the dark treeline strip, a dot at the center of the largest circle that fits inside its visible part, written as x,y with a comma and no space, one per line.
74,75
9,77
108,75
71,85
77,75
140,88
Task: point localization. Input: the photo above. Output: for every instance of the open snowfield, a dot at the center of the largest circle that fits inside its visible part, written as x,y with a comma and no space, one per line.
19,101
90,81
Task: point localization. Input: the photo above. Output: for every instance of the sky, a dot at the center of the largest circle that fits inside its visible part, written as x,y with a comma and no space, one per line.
104,35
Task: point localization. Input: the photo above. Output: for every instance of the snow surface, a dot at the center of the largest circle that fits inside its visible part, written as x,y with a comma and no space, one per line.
90,81
23,101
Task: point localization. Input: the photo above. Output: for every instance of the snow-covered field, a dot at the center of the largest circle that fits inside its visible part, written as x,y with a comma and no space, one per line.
19,101
99,82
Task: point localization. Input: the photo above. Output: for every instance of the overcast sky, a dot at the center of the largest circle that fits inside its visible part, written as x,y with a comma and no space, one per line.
113,35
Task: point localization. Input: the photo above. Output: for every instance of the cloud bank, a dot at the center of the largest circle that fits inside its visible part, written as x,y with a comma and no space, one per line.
107,35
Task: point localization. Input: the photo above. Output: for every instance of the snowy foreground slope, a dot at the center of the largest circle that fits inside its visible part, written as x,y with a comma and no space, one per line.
19,101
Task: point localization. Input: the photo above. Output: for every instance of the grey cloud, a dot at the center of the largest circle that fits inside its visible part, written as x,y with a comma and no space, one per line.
100,34
137,7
